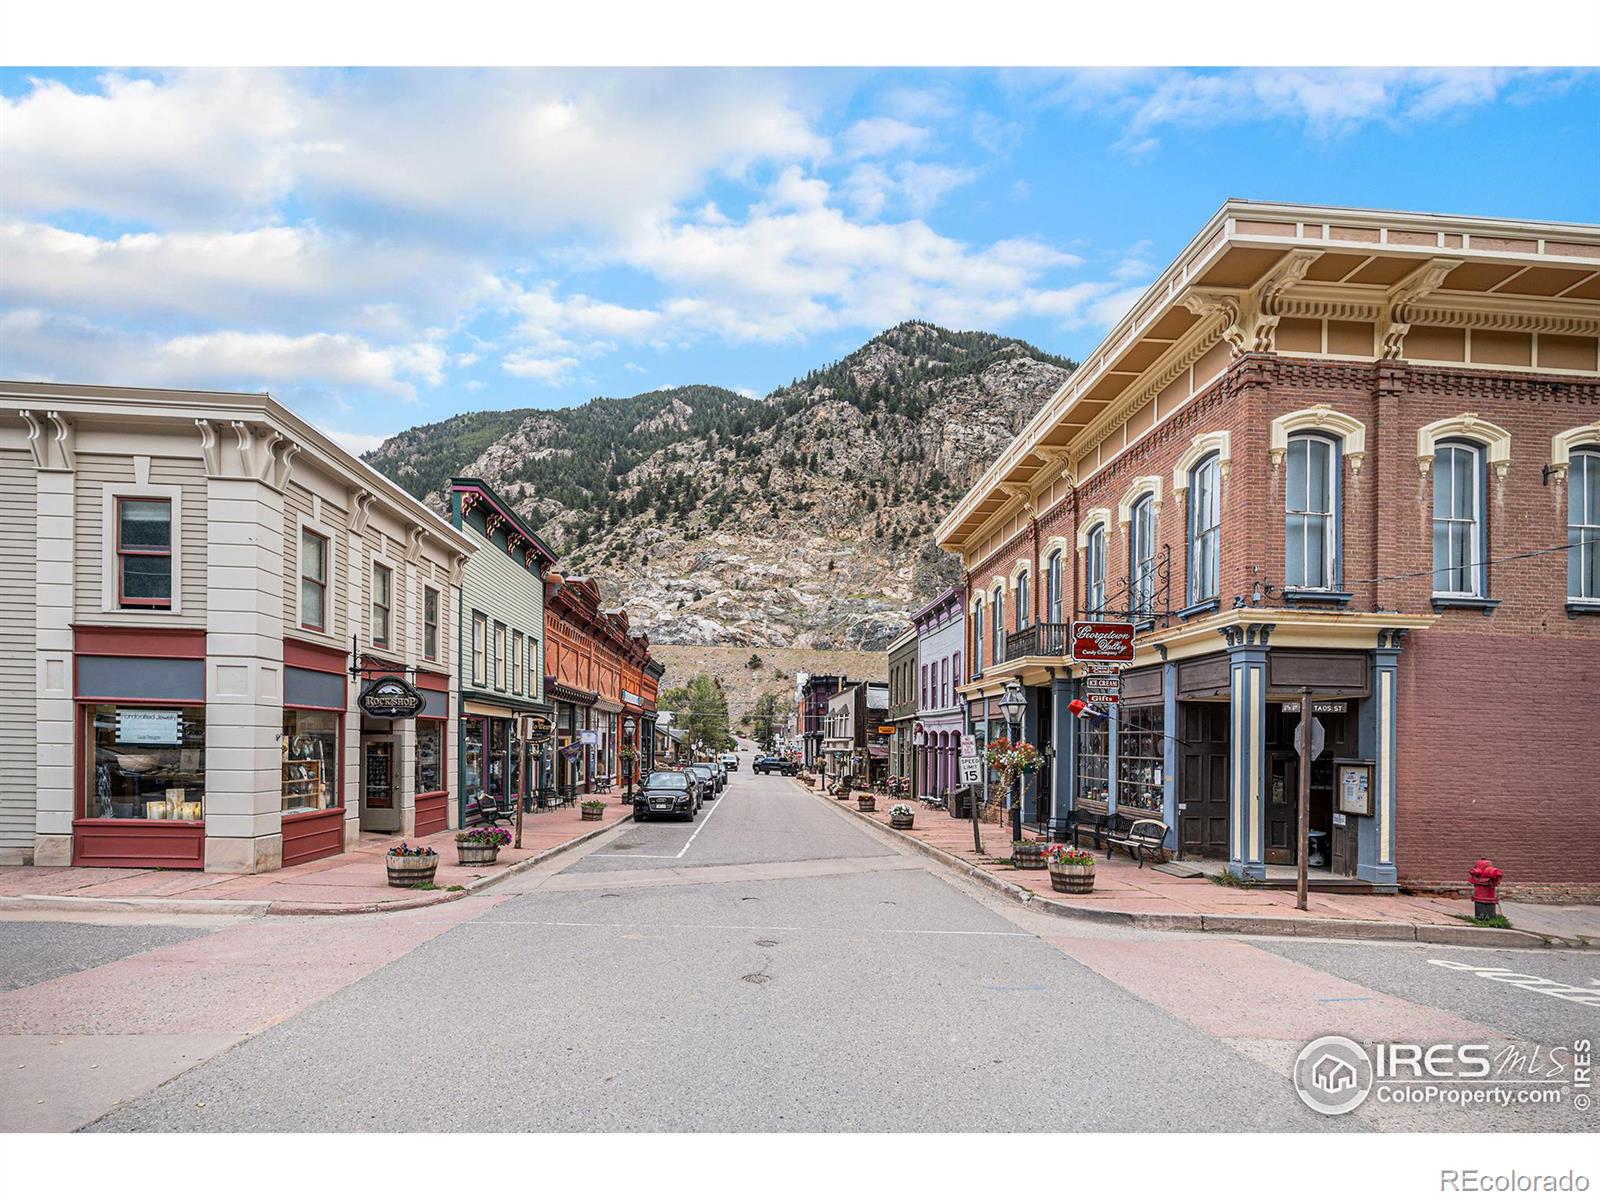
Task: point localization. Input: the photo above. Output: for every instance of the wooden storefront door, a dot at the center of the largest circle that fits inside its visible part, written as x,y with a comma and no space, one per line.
1203,780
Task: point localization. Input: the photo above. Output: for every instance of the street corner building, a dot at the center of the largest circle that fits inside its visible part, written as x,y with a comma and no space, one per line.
506,724
1345,450
201,591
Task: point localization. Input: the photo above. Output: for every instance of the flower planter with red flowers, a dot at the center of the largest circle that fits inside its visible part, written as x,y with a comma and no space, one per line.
480,847
411,866
867,802
1071,869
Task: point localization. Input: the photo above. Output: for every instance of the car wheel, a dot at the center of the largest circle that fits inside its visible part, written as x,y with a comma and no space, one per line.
640,816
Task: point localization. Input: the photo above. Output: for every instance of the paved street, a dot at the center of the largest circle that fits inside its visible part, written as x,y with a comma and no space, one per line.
774,965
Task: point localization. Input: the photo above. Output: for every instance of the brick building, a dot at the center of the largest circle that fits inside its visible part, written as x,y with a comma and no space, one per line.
1348,450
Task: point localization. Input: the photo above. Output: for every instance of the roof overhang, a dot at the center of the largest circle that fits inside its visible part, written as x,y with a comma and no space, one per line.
1253,263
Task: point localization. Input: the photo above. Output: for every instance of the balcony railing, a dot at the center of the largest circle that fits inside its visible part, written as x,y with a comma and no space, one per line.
1043,640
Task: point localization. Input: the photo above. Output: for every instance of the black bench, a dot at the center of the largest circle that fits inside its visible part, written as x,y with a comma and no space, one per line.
491,811
1142,836
1087,816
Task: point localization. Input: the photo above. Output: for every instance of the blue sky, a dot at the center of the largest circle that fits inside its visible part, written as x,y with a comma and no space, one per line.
382,248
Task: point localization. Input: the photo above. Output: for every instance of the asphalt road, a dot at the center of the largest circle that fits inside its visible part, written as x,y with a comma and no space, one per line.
775,965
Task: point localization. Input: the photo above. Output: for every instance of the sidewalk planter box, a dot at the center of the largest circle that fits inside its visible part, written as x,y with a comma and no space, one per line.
593,814
867,803
470,854
1074,880
901,816
408,870
1029,856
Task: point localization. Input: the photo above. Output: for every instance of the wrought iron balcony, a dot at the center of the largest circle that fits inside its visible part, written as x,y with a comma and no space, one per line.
1042,640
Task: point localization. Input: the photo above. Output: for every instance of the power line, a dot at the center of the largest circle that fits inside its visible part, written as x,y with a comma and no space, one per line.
1488,562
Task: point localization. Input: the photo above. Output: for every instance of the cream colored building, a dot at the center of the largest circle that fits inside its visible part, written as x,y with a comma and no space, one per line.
198,586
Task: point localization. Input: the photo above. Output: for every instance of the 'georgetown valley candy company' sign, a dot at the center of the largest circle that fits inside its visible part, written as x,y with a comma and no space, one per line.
1102,641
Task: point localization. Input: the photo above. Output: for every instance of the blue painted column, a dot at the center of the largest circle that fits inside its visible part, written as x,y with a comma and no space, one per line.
1169,752
1375,840
1111,759
1030,733
1247,756
1063,727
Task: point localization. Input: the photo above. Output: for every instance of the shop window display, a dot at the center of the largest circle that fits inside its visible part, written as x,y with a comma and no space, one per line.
1094,758
146,764
430,757
310,760
1140,757
472,784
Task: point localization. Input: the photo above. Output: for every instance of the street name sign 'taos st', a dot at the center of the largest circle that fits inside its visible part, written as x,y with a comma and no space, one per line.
1102,641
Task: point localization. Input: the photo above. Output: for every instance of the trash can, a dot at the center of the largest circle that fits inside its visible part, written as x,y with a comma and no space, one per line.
1317,846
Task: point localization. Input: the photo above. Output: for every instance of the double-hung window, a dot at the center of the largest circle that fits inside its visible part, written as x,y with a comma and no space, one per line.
516,662
956,672
1023,613
313,581
977,635
499,676
1311,518
144,552
1205,520
1583,525
999,625
382,603
480,650
1094,571
925,685
1142,557
430,623
1458,520
1053,588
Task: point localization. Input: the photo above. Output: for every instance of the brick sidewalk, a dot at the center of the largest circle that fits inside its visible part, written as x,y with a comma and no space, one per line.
353,881
1121,886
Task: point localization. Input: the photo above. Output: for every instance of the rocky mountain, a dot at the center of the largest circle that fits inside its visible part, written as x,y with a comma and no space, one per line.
798,519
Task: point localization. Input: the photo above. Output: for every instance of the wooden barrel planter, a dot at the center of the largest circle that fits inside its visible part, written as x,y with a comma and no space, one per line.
1029,856
901,822
593,814
867,803
1072,880
471,854
408,870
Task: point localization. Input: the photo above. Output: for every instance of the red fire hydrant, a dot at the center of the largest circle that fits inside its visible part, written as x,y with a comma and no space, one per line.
1485,879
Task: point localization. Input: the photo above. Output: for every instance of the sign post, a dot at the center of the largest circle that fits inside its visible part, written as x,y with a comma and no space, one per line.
1307,752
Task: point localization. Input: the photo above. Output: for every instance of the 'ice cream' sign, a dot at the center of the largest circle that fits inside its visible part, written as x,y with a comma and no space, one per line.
1102,641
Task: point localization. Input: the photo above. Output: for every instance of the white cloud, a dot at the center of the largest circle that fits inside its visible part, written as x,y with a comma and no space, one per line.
184,148
528,366
358,443
875,137
912,187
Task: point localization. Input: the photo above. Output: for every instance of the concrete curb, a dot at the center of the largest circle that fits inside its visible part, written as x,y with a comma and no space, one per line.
293,908
1237,925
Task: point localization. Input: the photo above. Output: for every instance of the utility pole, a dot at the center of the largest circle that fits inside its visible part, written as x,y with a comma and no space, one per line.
1303,837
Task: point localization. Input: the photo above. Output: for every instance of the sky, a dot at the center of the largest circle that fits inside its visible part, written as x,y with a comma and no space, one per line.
384,248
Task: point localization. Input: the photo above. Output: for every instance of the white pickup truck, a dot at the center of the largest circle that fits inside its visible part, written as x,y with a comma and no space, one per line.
731,761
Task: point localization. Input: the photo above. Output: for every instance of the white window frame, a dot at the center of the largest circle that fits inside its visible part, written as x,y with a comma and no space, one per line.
1196,534
1055,582
1480,581
110,568
480,621
330,609
1142,557
977,630
376,561
1094,570
1330,545
1593,543
438,622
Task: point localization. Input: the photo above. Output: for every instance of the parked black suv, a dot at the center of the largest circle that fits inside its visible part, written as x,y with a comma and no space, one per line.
771,762
666,793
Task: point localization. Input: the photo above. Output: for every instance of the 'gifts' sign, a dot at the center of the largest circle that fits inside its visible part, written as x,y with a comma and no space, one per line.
1102,641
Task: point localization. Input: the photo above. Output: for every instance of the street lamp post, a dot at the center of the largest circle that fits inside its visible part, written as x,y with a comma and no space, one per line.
1013,703
627,741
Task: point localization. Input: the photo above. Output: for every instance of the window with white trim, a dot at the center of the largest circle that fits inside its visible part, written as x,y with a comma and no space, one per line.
499,674
1583,525
313,580
430,623
1205,520
1053,585
144,552
382,603
1458,520
977,636
516,662
999,625
1142,557
1311,518
1024,616
1094,571
480,650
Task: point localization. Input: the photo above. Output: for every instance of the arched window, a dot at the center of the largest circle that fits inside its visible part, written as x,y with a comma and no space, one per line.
1205,520
1023,612
1142,556
999,613
1053,581
977,634
1311,513
1094,571
1583,524
1459,535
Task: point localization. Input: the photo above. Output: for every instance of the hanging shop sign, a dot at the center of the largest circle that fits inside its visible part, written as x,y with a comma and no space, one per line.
539,729
390,698
1102,641
589,737
919,734
1102,689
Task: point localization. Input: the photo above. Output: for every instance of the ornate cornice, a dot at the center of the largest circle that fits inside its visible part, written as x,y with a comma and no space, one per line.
1401,310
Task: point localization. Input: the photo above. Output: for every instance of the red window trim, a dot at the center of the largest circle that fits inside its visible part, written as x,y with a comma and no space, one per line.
121,641
327,546
124,601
